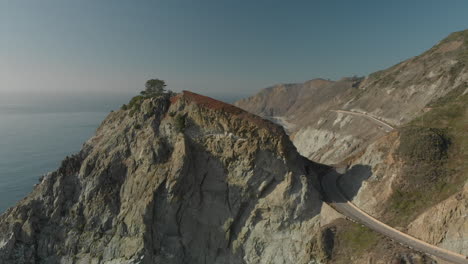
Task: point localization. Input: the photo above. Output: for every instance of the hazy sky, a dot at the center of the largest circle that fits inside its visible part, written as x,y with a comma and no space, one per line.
210,46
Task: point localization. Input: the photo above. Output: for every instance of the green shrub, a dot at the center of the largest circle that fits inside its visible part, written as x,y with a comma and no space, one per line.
135,104
154,87
180,123
359,238
423,144
136,101
124,107
455,71
137,126
350,239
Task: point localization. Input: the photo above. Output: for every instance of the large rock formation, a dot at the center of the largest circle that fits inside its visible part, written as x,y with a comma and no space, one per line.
185,180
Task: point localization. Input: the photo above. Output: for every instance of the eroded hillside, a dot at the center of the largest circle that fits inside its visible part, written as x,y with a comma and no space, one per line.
396,95
416,178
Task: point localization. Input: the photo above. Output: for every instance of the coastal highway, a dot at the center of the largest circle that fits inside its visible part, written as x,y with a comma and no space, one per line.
385,126
337,200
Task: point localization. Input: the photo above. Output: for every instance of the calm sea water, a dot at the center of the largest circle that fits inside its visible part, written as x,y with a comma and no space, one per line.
37,134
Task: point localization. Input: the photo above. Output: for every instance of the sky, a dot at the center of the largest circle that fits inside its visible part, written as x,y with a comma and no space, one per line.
213,47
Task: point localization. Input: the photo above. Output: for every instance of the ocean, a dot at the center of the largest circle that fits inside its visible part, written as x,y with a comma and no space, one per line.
38,132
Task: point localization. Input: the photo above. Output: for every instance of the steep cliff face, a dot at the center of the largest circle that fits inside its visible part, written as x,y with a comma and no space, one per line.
396,95
185,180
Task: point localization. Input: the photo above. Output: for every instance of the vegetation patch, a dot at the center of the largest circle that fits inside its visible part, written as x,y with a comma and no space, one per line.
180,123
421,144
154,88
359,238
377,74
350,240
461,53
452,96
135,104
354,243
434,148
385,78
460,35
455,70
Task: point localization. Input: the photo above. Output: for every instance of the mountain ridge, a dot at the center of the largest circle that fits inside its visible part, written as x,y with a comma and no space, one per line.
404,176
396,95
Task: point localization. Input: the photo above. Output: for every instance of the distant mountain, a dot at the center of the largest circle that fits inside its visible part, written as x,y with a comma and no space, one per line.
395,95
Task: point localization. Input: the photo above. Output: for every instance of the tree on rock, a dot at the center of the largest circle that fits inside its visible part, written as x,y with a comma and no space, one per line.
154,87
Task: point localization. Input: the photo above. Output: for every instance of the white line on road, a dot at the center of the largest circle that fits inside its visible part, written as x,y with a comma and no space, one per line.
344,206
368,116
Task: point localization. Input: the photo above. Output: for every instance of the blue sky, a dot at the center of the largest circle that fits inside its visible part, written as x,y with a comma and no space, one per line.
215,47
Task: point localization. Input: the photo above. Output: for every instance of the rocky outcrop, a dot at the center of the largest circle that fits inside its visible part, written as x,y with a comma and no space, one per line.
373,174
445,224
185,180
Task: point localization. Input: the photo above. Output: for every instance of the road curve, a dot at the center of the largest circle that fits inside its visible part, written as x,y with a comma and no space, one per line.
387,127
338,201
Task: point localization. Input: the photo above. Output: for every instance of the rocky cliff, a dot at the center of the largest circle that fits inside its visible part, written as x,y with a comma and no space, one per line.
180,180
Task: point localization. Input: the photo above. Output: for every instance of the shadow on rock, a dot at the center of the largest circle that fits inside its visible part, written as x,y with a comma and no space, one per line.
351,182
341,185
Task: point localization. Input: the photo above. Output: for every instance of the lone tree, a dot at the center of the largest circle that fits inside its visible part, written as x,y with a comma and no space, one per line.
154,87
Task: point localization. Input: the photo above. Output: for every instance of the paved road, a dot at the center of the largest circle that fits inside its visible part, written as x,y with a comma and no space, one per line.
336,199
385,126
